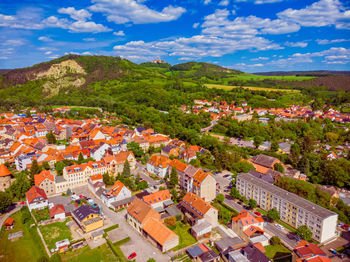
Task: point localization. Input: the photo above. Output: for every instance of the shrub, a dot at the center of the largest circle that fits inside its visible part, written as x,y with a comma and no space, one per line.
275,240
170,221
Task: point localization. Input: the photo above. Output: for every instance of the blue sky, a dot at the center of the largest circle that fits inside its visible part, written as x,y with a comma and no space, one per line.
250,35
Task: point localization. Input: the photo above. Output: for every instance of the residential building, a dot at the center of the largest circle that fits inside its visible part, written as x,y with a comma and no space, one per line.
159,200
170,150
88,218
195,180
115,163
36,198
197,208
263,163
5,177
45,180
306,251
253,254
57,212
246,225
117,193
144,219
158,165
78,175
293,209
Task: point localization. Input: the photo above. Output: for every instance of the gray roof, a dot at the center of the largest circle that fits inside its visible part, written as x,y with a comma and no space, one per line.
194,251
173,211
264,160
208,256
123,201
290,197
237,256
227,242
59,179
191,170
201,226
254,255
266,177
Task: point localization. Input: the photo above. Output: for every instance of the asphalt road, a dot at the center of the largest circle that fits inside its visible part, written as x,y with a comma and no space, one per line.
284,235
140,169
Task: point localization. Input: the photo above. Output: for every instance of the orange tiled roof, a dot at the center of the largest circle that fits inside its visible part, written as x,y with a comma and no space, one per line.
159,161
158,231
251,230
247,218
57,209
199,177
157,197
4,171
141,211
260,247
39,178
35,192
96,177
178,165
8,222
117,187
196,202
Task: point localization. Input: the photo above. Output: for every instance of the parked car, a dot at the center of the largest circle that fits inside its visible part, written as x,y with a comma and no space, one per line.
345,226
132,256
257,213
333,251
279,226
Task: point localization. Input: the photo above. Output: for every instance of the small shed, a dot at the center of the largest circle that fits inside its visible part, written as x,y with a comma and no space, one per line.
9,223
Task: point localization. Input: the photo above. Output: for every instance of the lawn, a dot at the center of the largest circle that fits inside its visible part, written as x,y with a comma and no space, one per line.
28,248
272,250
55,232
101,253
225,212
185,238
41,215
226,87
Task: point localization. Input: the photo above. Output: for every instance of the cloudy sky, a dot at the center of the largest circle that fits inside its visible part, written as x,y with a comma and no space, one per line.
250,35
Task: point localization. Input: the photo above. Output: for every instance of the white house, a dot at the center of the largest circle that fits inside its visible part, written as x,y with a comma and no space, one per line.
98,152
36,198
158,165
58,212
117,193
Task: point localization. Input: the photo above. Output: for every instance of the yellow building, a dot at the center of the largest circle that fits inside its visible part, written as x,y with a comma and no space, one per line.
88,218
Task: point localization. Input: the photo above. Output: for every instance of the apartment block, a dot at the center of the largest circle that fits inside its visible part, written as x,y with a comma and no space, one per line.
293,209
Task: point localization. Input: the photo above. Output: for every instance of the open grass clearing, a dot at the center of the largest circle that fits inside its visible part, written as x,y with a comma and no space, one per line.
101,253
185,237
271,250
227,87
28,248
55,232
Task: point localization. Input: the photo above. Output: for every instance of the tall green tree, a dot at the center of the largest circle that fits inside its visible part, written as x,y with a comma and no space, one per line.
34,169
135,148
279,167
252,203
126,169
80,158
50,137
5,201
174,178
273,214
274,146
258,141
304,232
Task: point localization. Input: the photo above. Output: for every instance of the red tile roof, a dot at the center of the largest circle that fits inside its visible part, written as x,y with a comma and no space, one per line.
57,209
157,197
35,192
39,178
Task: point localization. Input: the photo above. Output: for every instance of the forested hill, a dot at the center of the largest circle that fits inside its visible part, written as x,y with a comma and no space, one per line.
112,82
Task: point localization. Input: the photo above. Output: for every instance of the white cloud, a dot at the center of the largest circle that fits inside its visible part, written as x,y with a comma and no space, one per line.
259,2
224,3
296,44
75,27
53,57
195,25
321,13
86,53
13,42
125,11
327,42
45,38
119,33
259,58
206,2
89,39
48,52
80,15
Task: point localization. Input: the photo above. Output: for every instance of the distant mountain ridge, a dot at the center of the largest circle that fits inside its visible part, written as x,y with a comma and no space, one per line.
319,73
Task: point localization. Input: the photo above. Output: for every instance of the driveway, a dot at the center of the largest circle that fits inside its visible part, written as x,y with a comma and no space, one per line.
137,243
228,201
60,200
140,169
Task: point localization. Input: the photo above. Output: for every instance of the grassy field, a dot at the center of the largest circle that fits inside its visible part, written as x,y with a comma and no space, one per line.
28,248
281,78
185,238
272,250
41,215
55,232
101,253
224,87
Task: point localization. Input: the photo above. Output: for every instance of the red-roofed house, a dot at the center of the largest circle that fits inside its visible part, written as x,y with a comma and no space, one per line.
36,198
58,212
245,225
306,250
9,222
158,199
118,192
158,165
45,180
